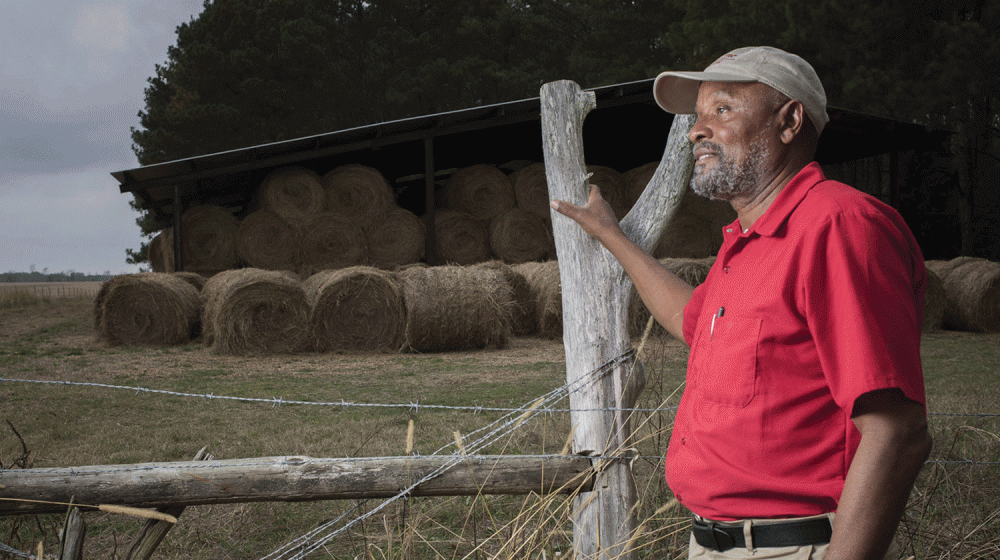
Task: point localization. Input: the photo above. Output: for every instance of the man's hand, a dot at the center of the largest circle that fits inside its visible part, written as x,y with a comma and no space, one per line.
595,217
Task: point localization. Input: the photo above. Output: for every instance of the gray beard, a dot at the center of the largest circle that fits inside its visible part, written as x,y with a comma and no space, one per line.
727,180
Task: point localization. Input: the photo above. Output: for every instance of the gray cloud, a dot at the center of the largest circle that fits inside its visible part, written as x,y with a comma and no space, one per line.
28,149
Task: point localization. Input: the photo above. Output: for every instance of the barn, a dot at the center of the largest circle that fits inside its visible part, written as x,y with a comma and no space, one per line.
423,159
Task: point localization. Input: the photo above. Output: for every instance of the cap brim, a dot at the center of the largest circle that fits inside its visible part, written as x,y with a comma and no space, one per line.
677,92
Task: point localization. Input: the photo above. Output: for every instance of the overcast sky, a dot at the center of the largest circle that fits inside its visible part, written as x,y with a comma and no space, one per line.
72,77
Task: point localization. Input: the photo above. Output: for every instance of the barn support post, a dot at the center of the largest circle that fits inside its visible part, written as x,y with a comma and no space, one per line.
601,368
178,242
430,239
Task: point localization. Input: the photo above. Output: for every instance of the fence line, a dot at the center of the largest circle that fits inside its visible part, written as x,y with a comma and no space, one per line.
513,418
53,289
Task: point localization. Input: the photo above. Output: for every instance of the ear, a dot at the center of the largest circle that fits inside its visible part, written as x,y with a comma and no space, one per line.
791,118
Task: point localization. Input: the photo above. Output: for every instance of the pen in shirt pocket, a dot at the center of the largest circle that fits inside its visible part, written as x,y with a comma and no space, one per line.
711,330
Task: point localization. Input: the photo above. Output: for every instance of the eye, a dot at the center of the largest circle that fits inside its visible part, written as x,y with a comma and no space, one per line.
721,109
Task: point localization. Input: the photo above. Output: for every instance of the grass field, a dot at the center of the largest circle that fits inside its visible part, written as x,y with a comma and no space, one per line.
954,511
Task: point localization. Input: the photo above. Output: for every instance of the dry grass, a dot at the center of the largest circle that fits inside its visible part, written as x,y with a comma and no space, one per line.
954,512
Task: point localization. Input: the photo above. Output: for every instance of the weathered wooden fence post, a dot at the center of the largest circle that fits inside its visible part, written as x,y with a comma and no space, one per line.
600,365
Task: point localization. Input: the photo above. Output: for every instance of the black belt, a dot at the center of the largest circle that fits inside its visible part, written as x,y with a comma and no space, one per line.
710,534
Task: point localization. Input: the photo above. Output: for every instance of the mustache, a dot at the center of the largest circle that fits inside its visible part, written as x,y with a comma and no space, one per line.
706,145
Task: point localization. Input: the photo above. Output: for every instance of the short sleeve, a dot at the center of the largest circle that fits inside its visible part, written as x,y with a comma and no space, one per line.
864,282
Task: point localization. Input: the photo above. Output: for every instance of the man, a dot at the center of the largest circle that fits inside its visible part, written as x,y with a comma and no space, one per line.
802,426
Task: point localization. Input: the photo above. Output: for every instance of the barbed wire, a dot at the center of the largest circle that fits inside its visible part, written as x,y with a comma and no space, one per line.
278,401
415,406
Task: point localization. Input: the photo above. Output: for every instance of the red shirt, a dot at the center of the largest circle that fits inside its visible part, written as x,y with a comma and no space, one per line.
818,303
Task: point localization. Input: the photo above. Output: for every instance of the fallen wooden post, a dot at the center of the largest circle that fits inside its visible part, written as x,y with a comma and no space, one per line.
603,374
285,479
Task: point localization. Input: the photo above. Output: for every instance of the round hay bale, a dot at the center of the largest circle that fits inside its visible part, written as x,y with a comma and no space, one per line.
546,296
250,311
331,240
692,271
456,308
518,236
146,309
193,278
688,236
944,267
612,187
481,190
524,321
934,302
397,239
208,239
294,193
531,190
636,180
161,251
356,308
461,238
358,191
266,240
972,294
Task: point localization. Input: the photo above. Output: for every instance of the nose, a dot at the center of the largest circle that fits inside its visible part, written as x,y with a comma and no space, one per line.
699,131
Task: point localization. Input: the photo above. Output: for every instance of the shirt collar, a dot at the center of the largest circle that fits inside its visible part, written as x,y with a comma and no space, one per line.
786,201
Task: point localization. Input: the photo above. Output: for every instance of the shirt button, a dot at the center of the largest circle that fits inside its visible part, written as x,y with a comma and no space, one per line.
683,441
729,230
725,269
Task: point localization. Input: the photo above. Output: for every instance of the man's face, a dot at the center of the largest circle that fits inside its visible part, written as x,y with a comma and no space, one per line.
731,139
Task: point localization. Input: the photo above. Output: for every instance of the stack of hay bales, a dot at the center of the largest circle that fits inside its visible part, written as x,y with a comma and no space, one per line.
972,293
145,309
391,236
251,311
456,308
356,308
474,195
347,217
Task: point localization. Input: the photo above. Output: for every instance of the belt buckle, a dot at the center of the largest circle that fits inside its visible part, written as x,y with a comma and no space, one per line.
719,540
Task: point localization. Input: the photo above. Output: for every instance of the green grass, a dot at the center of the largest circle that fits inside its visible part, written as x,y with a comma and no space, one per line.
954,510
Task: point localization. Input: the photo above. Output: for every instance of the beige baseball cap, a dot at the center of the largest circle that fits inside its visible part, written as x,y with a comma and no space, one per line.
677,92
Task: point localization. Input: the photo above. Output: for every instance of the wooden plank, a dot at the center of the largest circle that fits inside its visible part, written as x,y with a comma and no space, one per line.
596,291
284,479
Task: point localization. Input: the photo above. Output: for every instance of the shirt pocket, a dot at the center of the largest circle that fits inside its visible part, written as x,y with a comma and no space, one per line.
728,374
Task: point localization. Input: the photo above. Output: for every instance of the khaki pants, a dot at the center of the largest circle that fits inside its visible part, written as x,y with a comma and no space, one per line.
807,552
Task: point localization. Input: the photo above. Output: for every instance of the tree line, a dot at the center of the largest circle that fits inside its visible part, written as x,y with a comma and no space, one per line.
249,72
